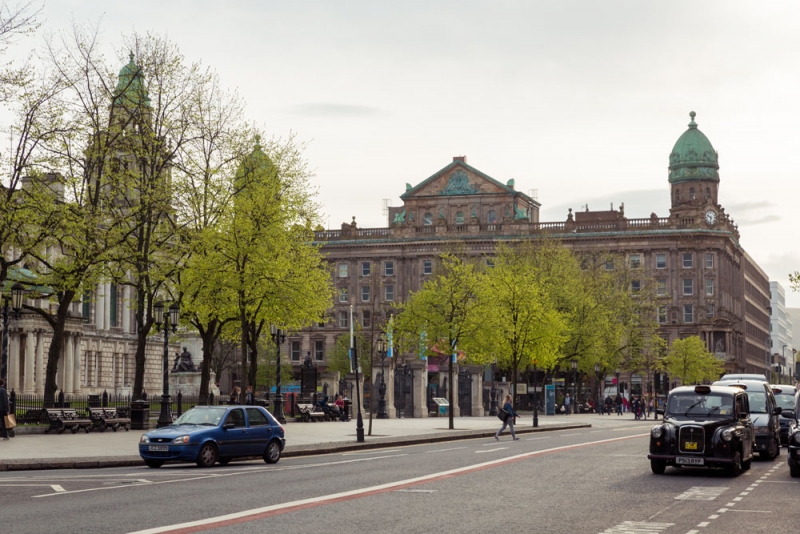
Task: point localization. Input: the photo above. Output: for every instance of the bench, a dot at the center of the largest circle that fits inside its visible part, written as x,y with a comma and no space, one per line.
103,418
62,419
309,412
32,416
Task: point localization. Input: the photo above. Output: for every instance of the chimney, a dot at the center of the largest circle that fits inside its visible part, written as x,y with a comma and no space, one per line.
460,158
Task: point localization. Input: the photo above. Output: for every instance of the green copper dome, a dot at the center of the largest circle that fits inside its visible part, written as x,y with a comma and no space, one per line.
255,165
131,89
693,158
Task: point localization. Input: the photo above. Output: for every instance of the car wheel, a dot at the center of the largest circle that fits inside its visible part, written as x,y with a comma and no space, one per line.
155,464
207,455
224,460
794,470
273,452
736,467
746,464
658,466
772,454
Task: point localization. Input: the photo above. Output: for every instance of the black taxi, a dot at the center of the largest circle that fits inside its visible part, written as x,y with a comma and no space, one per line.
704,426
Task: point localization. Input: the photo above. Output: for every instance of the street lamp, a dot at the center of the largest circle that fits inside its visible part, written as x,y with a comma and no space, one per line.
278,337
535,398
493,391
574,364
171,320
597,377
382,352
617,372
17,292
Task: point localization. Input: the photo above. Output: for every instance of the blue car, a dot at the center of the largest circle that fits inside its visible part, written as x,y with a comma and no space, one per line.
210,434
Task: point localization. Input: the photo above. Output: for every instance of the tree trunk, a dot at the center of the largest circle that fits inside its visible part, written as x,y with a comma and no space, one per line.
141,354
209,338
54,352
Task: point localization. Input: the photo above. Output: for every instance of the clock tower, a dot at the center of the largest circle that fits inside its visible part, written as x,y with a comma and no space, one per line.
694,179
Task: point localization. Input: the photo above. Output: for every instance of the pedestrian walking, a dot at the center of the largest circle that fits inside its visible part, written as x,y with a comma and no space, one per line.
609,404
618,402
234,397
566,403
5,407
636,412
509,421
249,399
650,407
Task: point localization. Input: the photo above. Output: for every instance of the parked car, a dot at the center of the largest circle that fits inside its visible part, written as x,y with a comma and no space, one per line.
765,415
704,426
794,438
210,434
740,376
784,397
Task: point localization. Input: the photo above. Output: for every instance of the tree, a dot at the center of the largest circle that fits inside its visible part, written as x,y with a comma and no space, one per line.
689,360
447,309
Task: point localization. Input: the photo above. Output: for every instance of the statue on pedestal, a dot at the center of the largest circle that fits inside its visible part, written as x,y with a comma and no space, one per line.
183,362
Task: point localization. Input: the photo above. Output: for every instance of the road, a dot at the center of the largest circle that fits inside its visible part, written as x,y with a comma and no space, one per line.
593,480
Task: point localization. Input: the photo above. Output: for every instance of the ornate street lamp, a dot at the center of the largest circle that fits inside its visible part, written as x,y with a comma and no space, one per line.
535,399
574,365
599,391
617,372
382,352
169,321
278,337
17,293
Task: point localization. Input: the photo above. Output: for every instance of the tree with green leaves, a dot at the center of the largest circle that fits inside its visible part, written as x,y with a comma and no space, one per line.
690,361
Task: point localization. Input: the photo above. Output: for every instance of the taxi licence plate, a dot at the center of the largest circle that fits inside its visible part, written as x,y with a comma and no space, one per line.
688,461
158,448
690,445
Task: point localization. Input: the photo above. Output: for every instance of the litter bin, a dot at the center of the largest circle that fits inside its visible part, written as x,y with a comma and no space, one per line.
94,400
140,415
348,409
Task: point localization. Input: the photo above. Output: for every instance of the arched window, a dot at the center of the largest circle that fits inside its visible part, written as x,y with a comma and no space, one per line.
491,217
427,219
691,193
460,217
708,193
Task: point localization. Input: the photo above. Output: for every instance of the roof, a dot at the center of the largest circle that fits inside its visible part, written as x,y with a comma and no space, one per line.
693,158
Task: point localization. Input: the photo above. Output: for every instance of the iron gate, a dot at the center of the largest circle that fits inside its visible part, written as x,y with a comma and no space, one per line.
465,393
404,392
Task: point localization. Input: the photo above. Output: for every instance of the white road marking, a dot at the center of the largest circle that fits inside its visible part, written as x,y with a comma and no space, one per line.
415,491
567,435
714,516
692,532
704,524
57,488
445,450
534,439
754,511
491,450
702,493
369,452
637,527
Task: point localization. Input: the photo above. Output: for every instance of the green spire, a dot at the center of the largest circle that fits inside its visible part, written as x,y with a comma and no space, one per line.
693,158
131,89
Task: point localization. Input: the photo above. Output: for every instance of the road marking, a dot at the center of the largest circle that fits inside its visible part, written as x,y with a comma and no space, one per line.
567,435
637,527
369,452
415,491
534,439
692,532
491,450
714,516
303,504
702,493
704,524
445,450
753,511
57,488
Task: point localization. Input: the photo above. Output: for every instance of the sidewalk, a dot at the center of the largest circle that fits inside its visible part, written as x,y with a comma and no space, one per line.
116,449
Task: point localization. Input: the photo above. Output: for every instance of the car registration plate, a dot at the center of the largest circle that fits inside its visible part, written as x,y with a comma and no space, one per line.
688,461
158,448
690,445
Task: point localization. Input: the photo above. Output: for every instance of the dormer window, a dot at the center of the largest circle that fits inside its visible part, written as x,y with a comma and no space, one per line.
691,193
427,219
491,217
460,217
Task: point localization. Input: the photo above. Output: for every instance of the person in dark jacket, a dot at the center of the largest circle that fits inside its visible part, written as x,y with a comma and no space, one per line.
509,408
4,409
249,399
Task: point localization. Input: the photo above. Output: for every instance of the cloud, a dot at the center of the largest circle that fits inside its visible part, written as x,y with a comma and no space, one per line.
752,213
328,109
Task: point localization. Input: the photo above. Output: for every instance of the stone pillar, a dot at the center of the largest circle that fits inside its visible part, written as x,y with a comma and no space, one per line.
99,307
68,366
420,370
13,362
107,305
76,373
126,312
39,365
391,411
454,385
477,389
29,357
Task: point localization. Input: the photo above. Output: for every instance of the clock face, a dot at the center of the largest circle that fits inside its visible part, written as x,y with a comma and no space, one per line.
711,217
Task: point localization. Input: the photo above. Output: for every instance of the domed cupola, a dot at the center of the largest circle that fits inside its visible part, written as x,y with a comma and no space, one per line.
693,158
131,90
255,166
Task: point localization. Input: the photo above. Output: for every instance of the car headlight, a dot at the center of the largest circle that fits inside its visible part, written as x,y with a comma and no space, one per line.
763,430
656,431
144,439
727,435
181,439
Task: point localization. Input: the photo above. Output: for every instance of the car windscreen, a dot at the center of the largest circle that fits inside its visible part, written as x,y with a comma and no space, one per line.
694,404
202,416
758,401
785,401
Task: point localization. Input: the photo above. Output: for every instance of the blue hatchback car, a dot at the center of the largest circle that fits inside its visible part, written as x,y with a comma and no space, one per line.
210,434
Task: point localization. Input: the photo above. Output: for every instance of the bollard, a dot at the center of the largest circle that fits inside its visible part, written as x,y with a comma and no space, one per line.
211,398
180,403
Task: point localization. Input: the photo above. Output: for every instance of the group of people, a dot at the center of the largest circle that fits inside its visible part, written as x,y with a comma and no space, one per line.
641,407
249,398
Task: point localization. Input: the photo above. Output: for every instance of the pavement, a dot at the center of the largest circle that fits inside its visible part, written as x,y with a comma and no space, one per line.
29,451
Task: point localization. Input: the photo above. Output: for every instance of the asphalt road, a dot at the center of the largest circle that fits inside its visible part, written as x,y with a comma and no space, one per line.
574,481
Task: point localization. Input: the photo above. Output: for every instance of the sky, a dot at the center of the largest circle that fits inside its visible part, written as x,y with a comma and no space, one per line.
580,102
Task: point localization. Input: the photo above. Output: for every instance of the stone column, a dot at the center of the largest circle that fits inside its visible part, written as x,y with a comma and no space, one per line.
68,367
454,385
477,390
126,312
420,370
29,364
99,307
76,373
391,411
39,365
107,306
13,362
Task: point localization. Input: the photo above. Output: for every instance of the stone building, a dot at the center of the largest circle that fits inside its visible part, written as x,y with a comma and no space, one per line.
714,289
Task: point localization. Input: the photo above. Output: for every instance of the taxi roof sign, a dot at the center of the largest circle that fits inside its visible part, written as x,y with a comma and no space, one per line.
737,385
703,390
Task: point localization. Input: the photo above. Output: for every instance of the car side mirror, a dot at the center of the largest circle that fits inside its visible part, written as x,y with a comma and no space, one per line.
788,414
778,410
659,411
228,426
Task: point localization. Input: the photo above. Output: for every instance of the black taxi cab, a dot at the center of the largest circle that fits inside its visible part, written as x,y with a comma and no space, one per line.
703,426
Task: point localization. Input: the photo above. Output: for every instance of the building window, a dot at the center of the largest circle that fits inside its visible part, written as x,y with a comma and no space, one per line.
709,311
636,286
688,286
113,305
688,313
636,261
294,347
366,268
687,260
691,193
87,307
709,286
427,266
388,268
709,260
343,294
490,262
427,219
321,324
319,350
365,293
609,265
661,288
342,270
661,261
491,217
343,319
389,293
662,315
460,217
366,319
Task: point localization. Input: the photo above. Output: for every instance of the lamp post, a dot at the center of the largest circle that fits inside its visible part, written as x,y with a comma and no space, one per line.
783,350
17,292
278,337
617,373
599,393
574,365
382,352
535,399
170,320
493,392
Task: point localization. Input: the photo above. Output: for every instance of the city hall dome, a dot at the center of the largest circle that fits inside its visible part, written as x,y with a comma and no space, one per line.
693,158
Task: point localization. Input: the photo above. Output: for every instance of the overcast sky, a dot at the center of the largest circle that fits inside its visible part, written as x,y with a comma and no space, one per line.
579,101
